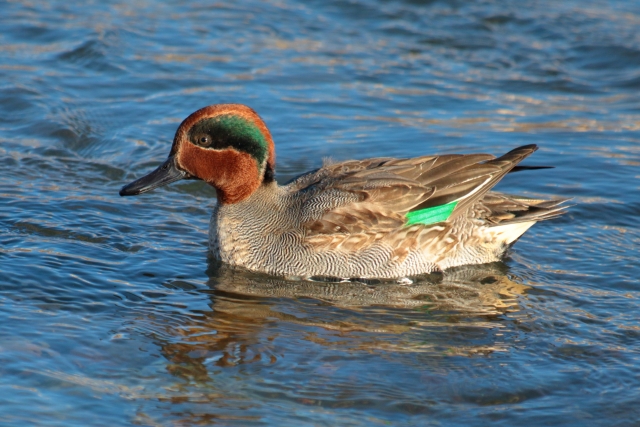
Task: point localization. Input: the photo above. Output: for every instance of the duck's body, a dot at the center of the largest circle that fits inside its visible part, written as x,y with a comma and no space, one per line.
384,218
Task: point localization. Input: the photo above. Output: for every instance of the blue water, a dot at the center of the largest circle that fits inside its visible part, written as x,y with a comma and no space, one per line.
111,312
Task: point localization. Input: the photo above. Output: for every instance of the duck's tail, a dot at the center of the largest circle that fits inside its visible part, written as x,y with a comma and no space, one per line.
511,215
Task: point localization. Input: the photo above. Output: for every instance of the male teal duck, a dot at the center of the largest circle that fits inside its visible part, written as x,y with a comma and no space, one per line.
374,218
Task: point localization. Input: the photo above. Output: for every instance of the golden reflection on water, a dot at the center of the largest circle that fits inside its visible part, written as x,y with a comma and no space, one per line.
248,312
501,122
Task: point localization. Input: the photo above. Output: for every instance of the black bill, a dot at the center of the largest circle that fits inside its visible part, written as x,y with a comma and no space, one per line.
167,173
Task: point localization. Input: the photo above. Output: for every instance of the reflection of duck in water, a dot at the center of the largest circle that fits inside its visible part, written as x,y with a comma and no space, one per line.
382,217
248,310
475,289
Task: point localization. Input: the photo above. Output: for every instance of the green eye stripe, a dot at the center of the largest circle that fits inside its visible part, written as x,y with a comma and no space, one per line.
235,132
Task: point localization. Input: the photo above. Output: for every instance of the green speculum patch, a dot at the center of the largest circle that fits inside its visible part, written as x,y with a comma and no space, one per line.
229,131
431,215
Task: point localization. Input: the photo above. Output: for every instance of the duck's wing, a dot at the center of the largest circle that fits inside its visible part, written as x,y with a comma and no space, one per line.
379,195
360,196
410,204
462,182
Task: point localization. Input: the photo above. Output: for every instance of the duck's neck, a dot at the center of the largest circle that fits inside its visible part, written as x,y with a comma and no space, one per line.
269,174
232,191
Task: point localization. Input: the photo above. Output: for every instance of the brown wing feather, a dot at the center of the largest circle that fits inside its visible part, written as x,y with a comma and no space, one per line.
469,178
354,203
370,196
504,164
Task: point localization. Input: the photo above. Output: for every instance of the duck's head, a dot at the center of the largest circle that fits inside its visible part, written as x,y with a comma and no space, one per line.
226,145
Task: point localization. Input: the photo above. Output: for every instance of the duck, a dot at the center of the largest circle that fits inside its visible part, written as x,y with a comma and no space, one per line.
384,217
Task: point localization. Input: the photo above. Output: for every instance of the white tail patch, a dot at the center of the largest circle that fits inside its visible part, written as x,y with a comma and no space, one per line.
509,233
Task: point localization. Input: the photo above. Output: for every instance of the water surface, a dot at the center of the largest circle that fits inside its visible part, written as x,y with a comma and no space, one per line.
113,314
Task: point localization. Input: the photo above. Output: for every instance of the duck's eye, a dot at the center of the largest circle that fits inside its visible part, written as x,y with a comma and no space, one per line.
203,140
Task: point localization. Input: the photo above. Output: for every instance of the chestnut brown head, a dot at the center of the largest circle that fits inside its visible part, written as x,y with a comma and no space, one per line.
226,145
